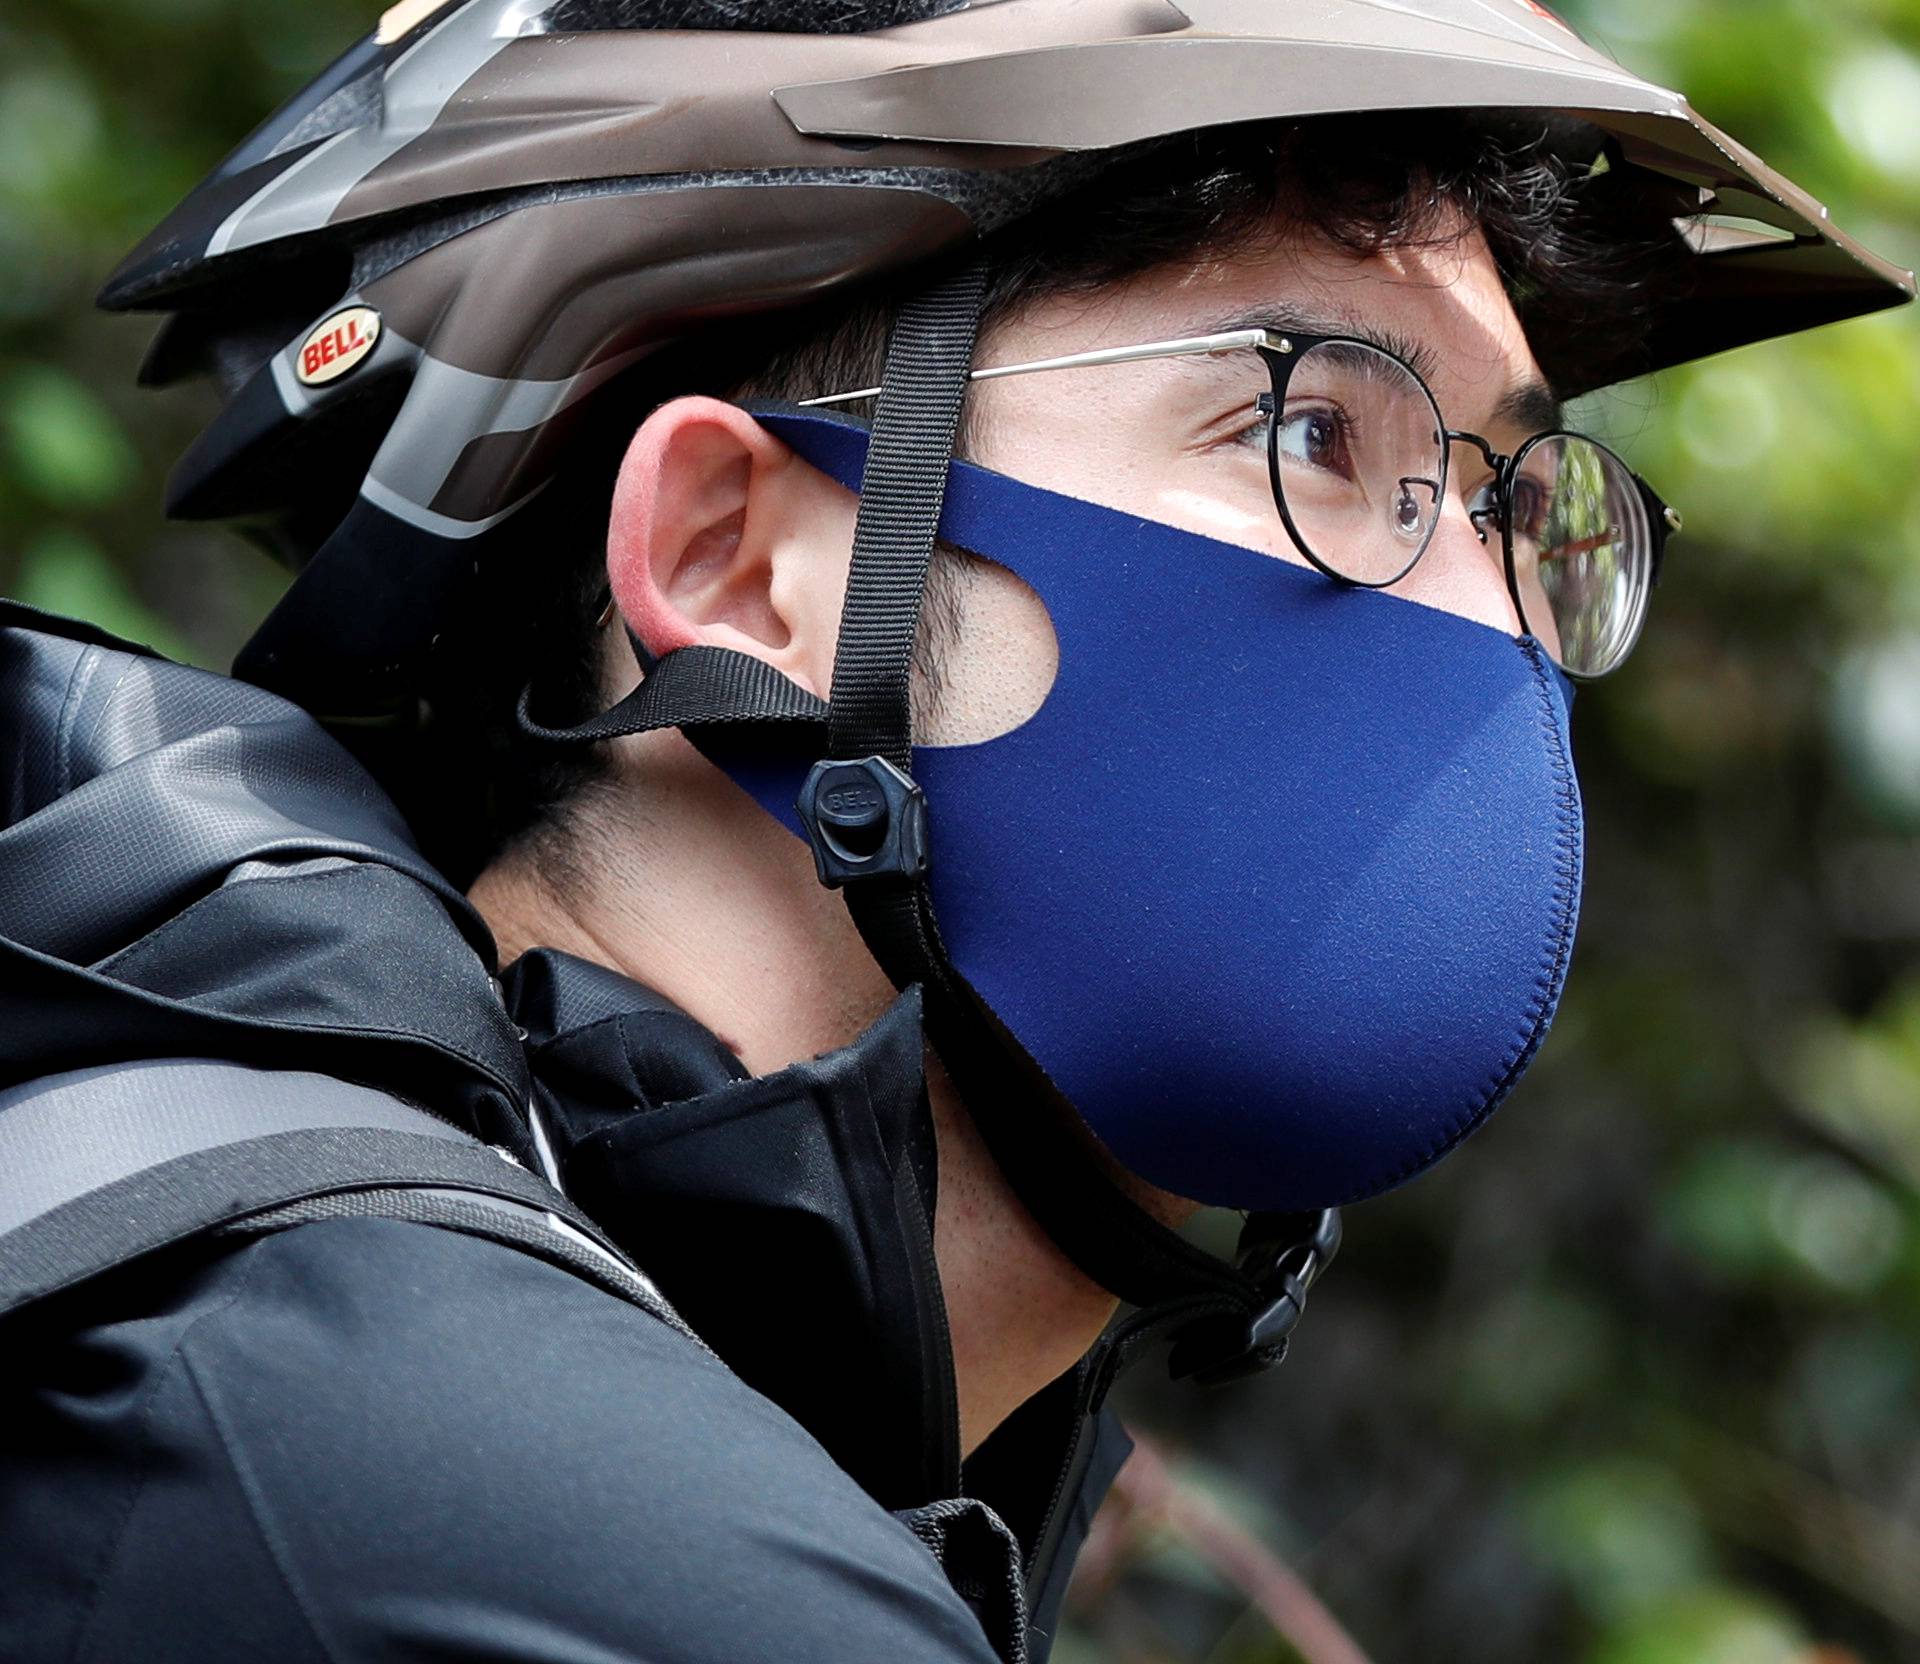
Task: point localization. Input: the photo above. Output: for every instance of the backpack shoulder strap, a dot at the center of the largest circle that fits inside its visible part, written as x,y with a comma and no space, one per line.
99,1167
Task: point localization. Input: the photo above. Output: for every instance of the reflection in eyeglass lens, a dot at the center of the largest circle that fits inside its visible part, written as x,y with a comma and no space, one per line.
1581,548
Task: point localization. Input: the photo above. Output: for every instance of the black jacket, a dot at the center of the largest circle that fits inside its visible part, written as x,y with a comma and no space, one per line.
360,1438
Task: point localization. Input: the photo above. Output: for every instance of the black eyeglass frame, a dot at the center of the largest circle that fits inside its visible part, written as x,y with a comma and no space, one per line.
1282,353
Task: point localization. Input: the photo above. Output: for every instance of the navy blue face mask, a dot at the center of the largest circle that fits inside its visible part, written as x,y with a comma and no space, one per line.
1279,884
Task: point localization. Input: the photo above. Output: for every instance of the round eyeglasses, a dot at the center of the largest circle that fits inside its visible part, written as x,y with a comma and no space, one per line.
1358,457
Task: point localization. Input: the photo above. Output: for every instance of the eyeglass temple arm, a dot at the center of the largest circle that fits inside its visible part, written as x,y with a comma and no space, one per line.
1231,340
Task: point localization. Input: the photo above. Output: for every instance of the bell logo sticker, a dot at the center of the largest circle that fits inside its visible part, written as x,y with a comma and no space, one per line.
336,344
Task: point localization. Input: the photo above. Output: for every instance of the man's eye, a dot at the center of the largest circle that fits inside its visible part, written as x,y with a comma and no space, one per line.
1317,435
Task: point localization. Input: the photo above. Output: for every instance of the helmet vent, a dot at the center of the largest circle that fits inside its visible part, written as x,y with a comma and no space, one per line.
357,104
782,17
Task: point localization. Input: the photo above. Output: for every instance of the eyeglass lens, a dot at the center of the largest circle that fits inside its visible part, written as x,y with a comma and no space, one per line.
1581,549
1358,461
1358,455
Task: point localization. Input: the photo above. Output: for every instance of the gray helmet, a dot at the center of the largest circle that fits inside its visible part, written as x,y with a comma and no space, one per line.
442,250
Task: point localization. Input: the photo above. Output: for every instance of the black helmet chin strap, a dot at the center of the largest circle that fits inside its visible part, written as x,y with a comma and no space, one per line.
869,827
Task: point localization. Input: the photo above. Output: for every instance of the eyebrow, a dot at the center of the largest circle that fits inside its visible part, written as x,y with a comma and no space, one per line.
1529,406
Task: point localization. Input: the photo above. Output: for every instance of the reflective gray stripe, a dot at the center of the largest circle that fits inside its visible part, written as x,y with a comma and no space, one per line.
447,408
101,1166
645,1290
229,228
384,497
543,1149
139,1115
416,88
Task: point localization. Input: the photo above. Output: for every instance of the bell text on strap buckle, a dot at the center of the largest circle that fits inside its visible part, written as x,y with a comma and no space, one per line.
864,819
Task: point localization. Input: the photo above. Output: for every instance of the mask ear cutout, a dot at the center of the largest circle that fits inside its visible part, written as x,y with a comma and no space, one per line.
991,648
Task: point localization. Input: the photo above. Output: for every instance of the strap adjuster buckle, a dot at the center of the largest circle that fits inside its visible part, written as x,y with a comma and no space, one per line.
1284,1254
864,819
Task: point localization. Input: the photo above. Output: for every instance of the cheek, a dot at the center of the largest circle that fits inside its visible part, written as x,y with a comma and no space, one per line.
1461,575
998,656
1220,493
1239,509
1118,441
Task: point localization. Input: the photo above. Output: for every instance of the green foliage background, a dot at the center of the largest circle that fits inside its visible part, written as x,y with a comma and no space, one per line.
1635,1379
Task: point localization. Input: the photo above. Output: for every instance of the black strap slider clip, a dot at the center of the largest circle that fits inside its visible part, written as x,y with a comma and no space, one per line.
865,819
1284,1253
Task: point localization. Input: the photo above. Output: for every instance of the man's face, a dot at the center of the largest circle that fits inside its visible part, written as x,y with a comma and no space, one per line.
722,536
1179,440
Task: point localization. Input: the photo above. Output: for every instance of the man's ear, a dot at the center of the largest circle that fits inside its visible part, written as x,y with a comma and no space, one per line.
720,536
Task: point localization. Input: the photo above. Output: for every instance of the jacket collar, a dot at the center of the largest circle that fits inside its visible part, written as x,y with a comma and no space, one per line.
788,1217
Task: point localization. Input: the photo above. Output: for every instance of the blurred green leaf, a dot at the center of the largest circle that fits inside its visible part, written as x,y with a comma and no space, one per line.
1754,1212
1717,1206
1707,1625
61,440
49,128
1861,1081
1624,1531
64,572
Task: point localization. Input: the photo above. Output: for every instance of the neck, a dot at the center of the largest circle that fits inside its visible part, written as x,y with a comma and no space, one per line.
1020,1312
769,961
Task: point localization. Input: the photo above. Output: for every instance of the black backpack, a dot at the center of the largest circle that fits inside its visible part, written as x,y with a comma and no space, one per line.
104,1166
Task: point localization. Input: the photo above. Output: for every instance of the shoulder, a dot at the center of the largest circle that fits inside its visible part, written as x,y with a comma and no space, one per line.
419,1441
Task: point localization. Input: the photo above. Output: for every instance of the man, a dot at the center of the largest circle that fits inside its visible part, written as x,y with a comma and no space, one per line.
1205,833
